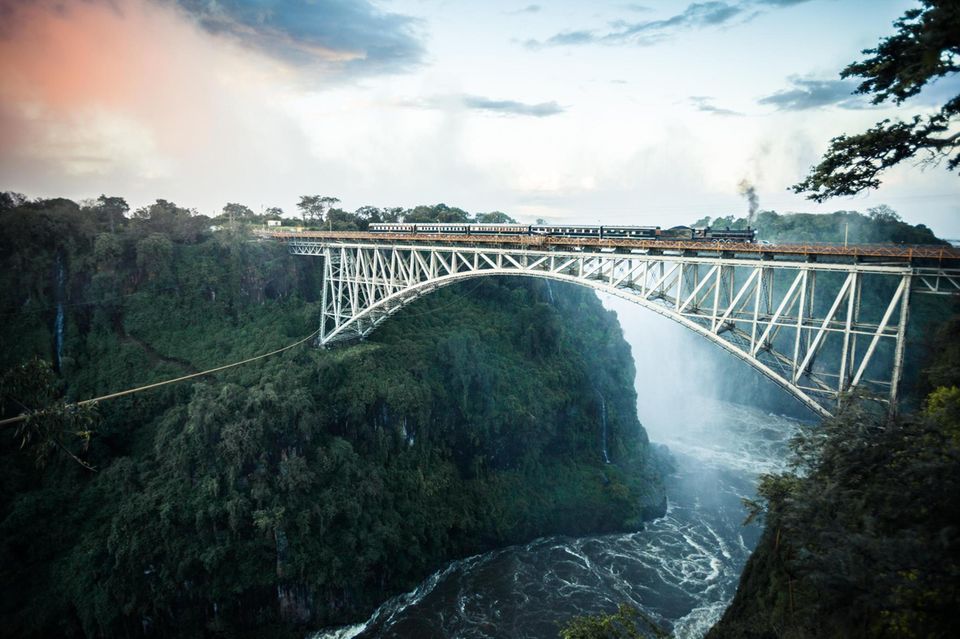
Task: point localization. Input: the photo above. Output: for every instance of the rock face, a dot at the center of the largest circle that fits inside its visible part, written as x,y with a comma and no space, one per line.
863,540
307,488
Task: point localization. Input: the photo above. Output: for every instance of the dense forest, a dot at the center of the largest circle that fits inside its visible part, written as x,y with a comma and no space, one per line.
300,490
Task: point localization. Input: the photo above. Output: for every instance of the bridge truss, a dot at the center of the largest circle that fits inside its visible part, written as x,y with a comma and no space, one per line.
819,330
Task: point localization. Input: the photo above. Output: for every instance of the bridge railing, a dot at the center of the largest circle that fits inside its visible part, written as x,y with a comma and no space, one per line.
900,252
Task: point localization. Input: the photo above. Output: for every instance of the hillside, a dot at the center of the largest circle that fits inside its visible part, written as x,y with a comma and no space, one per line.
301,490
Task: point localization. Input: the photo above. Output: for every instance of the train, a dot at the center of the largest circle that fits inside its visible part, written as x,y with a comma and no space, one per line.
676,233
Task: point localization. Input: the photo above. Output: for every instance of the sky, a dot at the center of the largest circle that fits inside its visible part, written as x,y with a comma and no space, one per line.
617,112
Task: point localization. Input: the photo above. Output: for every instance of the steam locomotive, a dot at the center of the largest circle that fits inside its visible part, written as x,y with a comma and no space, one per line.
676,233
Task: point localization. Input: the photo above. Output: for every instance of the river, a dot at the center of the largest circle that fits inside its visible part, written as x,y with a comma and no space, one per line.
681,570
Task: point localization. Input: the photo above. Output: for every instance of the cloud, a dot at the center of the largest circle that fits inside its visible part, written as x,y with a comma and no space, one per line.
530,8
566,38
808,93
480,103
129,92
346,35
704,103
779,3
512,107
697,15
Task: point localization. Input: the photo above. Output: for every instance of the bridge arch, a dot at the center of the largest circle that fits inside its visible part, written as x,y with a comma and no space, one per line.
772,315
380,311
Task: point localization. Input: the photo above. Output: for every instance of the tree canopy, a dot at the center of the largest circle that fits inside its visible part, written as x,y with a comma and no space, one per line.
925,47
314,207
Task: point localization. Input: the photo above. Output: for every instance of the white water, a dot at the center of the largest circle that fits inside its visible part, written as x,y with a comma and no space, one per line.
682,570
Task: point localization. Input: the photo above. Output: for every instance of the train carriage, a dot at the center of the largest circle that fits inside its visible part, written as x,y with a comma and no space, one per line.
566,231
674,234
499,229
392,227
447,229
631,232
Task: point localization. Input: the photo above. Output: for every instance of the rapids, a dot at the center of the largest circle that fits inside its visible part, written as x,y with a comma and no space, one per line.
682,570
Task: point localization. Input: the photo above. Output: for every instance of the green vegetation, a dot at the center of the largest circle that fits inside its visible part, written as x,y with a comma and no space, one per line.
925,48
881,224
301,491
626,623
861,538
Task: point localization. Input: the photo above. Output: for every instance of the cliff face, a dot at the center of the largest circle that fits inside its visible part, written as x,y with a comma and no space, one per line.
306,488
864,540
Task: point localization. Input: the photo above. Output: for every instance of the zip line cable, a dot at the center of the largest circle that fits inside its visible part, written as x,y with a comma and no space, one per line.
139,389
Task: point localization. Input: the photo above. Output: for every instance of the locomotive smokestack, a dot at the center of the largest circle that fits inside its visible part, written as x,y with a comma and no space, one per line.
747,190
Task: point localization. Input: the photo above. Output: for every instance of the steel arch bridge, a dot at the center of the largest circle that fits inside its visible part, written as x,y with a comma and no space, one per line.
819,329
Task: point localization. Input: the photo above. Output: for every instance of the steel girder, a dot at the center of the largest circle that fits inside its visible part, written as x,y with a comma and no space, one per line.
806,325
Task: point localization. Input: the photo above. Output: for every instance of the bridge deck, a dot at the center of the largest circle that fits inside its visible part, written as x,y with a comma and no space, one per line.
886,252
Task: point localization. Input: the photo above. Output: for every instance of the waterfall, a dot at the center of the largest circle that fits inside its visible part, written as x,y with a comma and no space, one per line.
603,420
58,323
550,291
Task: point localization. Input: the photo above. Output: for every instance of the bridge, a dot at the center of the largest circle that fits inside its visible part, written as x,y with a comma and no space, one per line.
820,320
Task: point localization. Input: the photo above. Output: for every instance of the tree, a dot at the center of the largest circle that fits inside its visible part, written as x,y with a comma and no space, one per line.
10,200
496,217
369,214
340,220
154,255
32,388
392,214
111,210
626,623
313,207
883,213
926,47
238,212
438,213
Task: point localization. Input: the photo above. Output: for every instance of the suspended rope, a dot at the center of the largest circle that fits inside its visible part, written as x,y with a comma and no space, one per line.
140,389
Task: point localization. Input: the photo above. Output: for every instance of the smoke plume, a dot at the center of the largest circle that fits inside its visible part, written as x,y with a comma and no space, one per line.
747,190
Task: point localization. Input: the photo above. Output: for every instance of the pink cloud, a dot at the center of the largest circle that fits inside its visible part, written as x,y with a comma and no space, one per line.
129,82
